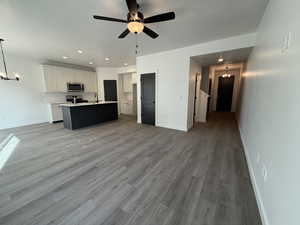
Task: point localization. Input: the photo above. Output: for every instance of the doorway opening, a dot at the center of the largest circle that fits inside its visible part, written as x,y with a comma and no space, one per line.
110,90
148,98
127,89
221,74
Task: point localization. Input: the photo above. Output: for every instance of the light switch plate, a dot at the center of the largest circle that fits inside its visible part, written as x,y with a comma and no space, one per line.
283,48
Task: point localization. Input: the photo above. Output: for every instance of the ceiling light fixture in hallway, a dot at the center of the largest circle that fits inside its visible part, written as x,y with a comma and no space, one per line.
220,59
226,74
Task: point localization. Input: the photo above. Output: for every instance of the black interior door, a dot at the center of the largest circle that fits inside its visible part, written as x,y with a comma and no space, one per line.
110,90
225,93
148,98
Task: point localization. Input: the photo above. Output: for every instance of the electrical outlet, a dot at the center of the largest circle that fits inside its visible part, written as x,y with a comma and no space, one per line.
283,48
286,42
264,173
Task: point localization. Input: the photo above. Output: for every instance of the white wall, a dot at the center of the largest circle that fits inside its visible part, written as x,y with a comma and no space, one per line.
269,114
172,87
22,103
172,78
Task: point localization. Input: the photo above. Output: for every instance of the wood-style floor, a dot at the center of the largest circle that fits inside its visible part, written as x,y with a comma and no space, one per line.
123,173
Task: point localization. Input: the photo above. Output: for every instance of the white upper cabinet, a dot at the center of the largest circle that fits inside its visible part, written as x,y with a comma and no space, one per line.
61,80
127,82
79,76
50,83
50,77
56,78
90,83
67,77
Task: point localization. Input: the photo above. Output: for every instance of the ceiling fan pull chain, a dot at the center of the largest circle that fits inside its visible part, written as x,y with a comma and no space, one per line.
136,45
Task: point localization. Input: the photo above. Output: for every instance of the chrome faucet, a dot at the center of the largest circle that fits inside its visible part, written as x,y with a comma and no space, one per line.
74,99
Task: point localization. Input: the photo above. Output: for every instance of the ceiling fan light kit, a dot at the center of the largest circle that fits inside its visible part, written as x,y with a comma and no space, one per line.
136,21
135,27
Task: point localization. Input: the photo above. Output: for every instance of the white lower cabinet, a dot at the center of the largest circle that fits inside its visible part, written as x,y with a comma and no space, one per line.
55,112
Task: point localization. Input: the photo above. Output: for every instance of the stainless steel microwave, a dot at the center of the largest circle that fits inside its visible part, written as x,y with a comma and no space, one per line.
75,87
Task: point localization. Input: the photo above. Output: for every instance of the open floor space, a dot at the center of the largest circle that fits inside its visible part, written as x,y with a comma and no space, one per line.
149,112
123,173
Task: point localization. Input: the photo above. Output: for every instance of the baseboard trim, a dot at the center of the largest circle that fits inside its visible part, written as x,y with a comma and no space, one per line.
58,121
24,124
261,207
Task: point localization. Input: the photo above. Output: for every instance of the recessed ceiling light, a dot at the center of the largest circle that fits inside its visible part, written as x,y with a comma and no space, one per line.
65,57
221,59
106,59
80,51
91,63
125,64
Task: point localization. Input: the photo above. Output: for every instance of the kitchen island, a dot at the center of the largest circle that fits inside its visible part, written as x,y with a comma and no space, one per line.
87,114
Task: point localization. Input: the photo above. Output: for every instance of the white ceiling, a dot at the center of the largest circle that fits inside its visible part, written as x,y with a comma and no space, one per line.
48,29
234,56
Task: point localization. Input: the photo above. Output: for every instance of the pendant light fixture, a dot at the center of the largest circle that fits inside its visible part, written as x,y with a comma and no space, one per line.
4,76
226,74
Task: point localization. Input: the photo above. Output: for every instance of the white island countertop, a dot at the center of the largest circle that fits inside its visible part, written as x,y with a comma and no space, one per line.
88,103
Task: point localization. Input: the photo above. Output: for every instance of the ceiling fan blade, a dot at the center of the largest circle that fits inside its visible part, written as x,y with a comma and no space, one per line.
132,6
160,18
110,19
150,32
124,34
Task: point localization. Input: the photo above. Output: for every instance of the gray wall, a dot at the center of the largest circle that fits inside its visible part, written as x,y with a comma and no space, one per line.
269,118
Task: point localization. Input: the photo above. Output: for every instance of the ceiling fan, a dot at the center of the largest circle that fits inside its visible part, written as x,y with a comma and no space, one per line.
136,21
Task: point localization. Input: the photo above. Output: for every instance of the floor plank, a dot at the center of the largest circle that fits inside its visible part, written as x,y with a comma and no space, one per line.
123,173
